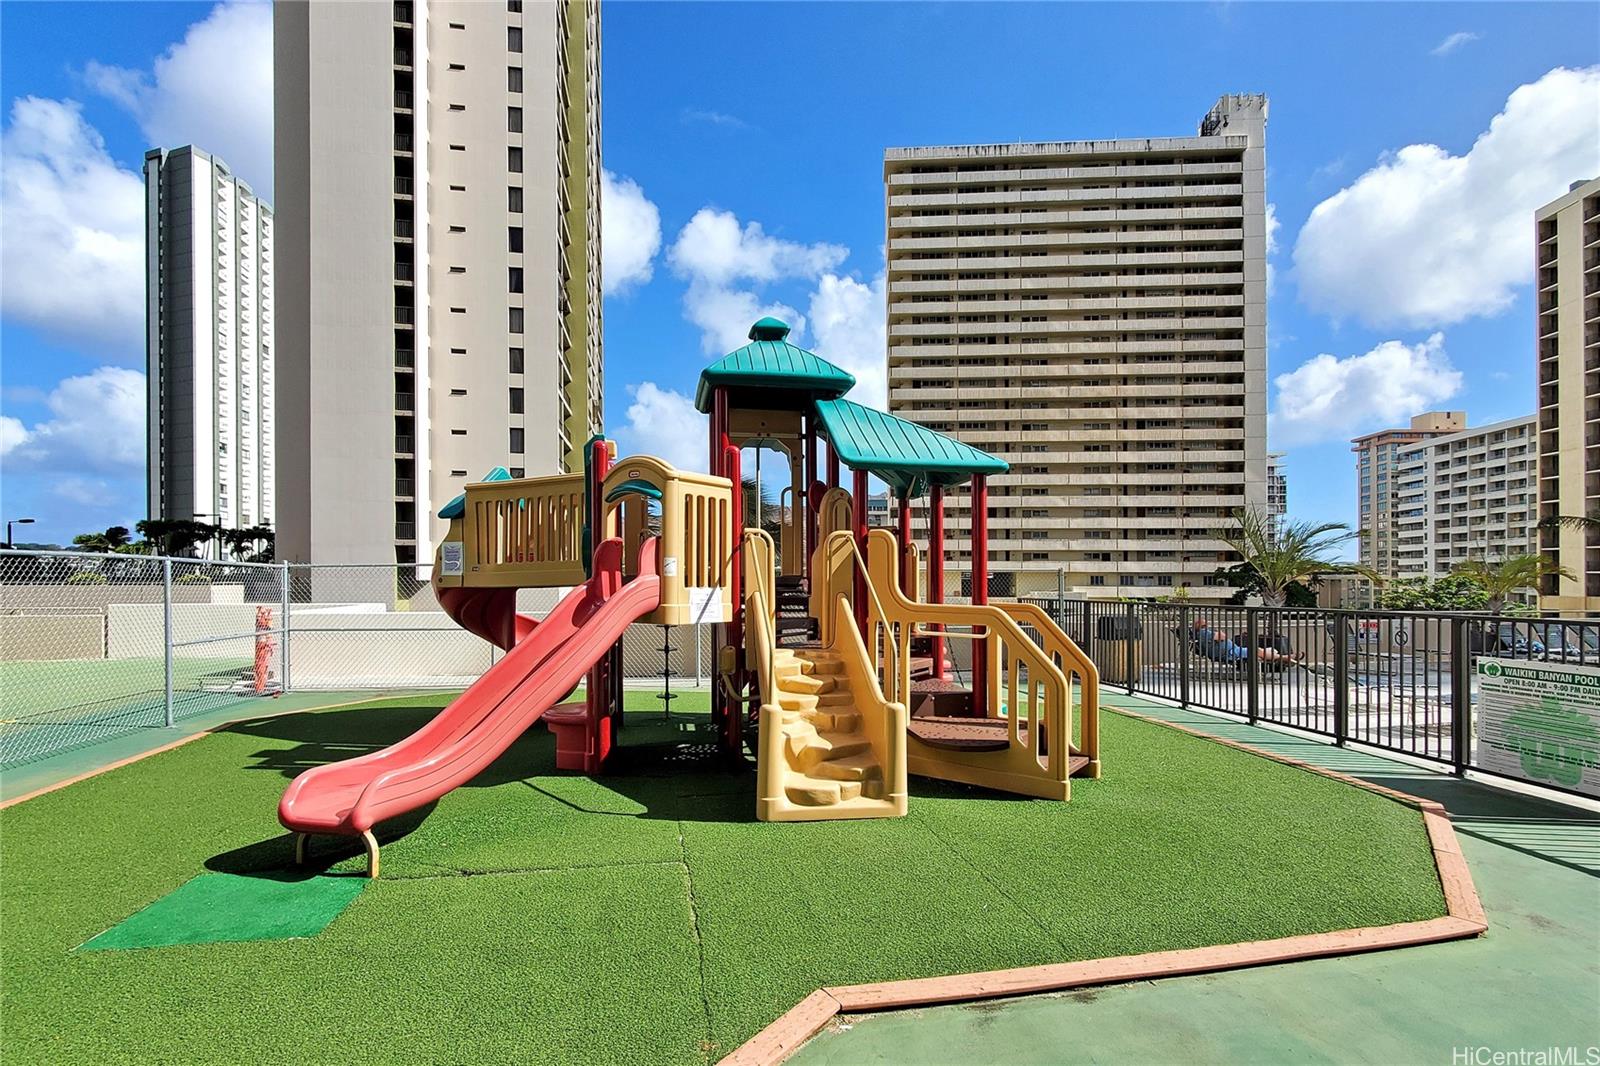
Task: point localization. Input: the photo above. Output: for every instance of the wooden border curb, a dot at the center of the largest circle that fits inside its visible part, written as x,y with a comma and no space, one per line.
1464,918
206,732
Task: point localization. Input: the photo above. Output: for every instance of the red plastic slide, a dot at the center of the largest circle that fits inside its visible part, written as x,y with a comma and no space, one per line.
348,798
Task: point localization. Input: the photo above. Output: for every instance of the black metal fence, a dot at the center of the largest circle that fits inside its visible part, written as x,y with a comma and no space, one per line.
1399,681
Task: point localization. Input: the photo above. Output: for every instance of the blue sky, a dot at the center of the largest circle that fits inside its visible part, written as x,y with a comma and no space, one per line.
745,144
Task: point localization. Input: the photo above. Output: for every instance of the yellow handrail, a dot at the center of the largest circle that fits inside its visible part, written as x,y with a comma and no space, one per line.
877,604
1065,650
760,633
1043,673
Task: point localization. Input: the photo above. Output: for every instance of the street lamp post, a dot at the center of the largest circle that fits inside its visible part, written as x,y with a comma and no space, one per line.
10,543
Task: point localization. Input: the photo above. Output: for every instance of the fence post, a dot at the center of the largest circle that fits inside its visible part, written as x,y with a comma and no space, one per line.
1460,695
284,633
1341,682
1132,646
1252,666
697,631
166,629
1183,655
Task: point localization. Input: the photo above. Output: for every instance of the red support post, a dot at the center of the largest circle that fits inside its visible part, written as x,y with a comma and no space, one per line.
833,466
803,496
858,522
597,693
980,591
936,570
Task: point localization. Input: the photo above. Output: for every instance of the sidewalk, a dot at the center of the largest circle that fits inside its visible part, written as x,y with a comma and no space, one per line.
1532,982
42,773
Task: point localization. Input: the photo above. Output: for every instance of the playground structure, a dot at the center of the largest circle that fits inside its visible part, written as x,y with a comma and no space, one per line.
832,664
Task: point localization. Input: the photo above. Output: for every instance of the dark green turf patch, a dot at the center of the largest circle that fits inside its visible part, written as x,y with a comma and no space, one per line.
213,908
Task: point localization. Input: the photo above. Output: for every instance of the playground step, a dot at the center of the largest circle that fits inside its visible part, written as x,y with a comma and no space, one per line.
808,751
862,767
813,684
817,792
805,701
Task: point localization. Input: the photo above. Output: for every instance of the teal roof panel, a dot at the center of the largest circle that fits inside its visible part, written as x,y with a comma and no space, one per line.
906,456
769,361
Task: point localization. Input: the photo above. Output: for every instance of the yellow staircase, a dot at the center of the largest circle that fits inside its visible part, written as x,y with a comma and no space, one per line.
829,760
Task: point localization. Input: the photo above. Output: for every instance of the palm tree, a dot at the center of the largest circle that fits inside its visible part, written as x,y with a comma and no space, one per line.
113,539
1583,522
1510,575
771,513
1287,553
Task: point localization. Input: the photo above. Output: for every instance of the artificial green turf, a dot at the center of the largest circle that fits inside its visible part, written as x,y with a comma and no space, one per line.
213,908
645,917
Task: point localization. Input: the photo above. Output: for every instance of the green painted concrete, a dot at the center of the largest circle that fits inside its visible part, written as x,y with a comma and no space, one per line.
214,908
1533,981
42,773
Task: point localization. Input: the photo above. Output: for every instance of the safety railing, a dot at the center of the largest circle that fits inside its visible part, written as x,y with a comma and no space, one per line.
1036,691
1407,682
697,536
760,632
526,533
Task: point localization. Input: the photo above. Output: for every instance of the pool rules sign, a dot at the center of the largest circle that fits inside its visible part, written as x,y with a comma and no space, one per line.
1540,722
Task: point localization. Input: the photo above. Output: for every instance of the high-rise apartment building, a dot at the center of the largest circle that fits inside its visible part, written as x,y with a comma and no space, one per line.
1567,279
1095,312
1463,496
1377,457
209,343
1277,491
438,186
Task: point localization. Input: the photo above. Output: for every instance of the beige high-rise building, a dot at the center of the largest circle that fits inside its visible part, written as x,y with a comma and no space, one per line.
1377,459
1462,496
1567,280
438,195
1095,312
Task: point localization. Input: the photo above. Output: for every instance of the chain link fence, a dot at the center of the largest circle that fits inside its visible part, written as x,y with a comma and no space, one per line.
95,646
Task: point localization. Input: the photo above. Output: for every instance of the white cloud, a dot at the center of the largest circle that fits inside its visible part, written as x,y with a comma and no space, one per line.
713,118
847,317
97,424
714,248
1273,225
86,491
213,89
725,315
1454,41
1428,238
1328,398
630,234
73,253
663,422
12,434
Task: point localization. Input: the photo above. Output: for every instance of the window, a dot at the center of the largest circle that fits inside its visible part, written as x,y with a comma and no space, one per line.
514,79
514,282
514,5
514,119
458,107
514,198
458,392
516,401
458,148
514,160
516,320
514,238
516,360
518,472
458,270
514,38
458,66
458,188
458,351
458,25
458,229
516,440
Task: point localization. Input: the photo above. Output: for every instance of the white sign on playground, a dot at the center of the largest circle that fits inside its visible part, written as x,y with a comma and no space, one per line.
1540,722
451,558
705,604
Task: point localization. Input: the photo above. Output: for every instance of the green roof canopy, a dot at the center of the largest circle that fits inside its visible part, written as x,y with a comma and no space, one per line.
906,456
790,377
